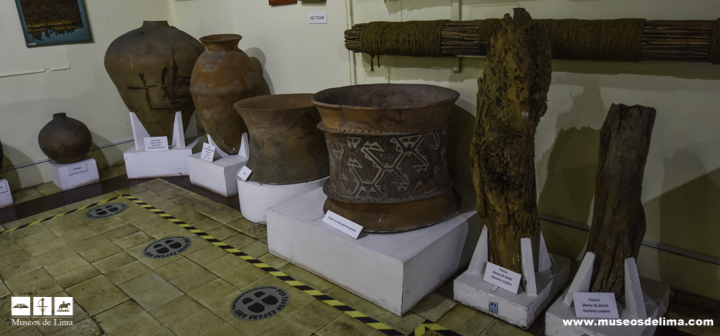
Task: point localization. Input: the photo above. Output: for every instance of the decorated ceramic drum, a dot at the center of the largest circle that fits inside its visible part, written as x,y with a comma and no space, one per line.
286,147
387,147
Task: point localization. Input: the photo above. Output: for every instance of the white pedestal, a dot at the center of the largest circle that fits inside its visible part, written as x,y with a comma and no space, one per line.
217,176
73,175
5,194
173,162
394,271
644,298
255,198
519,309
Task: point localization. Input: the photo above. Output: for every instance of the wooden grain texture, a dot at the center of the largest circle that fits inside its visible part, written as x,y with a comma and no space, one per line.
618,225
511,100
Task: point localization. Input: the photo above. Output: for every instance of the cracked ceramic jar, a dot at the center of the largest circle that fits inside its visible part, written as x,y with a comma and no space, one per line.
64,139
223,75
387,147
151,68
286,147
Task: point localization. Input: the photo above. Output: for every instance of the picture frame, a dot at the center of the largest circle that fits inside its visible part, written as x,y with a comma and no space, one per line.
54,22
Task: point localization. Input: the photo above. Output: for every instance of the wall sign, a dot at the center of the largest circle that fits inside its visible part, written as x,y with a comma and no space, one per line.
282,2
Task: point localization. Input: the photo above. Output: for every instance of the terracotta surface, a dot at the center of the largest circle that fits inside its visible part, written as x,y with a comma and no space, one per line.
222,76
151,68
387,146
286,146
64,139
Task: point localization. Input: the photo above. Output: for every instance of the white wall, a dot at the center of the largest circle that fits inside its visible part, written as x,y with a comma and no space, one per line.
84,91
681,189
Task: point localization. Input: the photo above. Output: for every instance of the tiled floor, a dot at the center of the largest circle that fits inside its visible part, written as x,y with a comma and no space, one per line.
118,291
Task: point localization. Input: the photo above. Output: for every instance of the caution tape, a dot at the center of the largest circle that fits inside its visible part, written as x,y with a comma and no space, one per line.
359,316
58,215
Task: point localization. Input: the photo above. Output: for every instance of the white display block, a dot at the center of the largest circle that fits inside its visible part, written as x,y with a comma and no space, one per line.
5,194
255,198
393,270
217,176
173,162
644,298
73,175
541,284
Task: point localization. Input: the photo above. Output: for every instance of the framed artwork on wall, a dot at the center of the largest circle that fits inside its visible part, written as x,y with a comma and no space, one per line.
53,22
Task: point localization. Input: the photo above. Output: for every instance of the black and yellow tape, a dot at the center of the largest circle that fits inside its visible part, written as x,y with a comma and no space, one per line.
59,215
385,329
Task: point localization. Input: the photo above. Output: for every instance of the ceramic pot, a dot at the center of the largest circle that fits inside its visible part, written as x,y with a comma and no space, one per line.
223,75
64,139
286,147
387,145
151,68
2,156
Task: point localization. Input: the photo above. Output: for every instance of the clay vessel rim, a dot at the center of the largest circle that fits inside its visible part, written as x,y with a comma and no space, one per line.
220,38
452,97
158,23
276,100
60,115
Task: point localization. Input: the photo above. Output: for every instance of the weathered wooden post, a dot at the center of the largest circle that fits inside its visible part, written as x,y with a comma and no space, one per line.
511,100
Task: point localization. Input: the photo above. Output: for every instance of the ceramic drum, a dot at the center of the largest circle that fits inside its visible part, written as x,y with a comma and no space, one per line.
387,146
286,147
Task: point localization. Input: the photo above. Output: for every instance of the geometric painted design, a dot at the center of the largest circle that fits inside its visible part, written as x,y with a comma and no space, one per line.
387,168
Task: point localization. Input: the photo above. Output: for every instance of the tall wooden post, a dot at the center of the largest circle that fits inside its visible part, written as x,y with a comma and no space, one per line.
618,225
511,100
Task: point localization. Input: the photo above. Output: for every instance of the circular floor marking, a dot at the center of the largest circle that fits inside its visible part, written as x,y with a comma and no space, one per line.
167,247
106,210
260,303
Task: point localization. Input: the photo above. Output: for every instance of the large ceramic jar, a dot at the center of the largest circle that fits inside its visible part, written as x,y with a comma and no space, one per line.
286,146
151,68
223,75
387,145
64,139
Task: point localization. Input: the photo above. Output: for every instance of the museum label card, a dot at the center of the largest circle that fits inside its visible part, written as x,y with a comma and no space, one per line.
502,277
153,144
208,152
595,305
244,173
317,17
77,168
343,224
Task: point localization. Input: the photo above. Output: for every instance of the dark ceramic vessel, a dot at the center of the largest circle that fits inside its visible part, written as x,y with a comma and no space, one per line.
286,146
151,68
223,75
387,145
64,139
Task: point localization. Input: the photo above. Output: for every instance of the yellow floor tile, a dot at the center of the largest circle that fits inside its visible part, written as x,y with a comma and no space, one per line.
176,310
196,323
34,283
97,295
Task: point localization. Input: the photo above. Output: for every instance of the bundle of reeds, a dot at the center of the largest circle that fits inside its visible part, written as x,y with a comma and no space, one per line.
683,41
